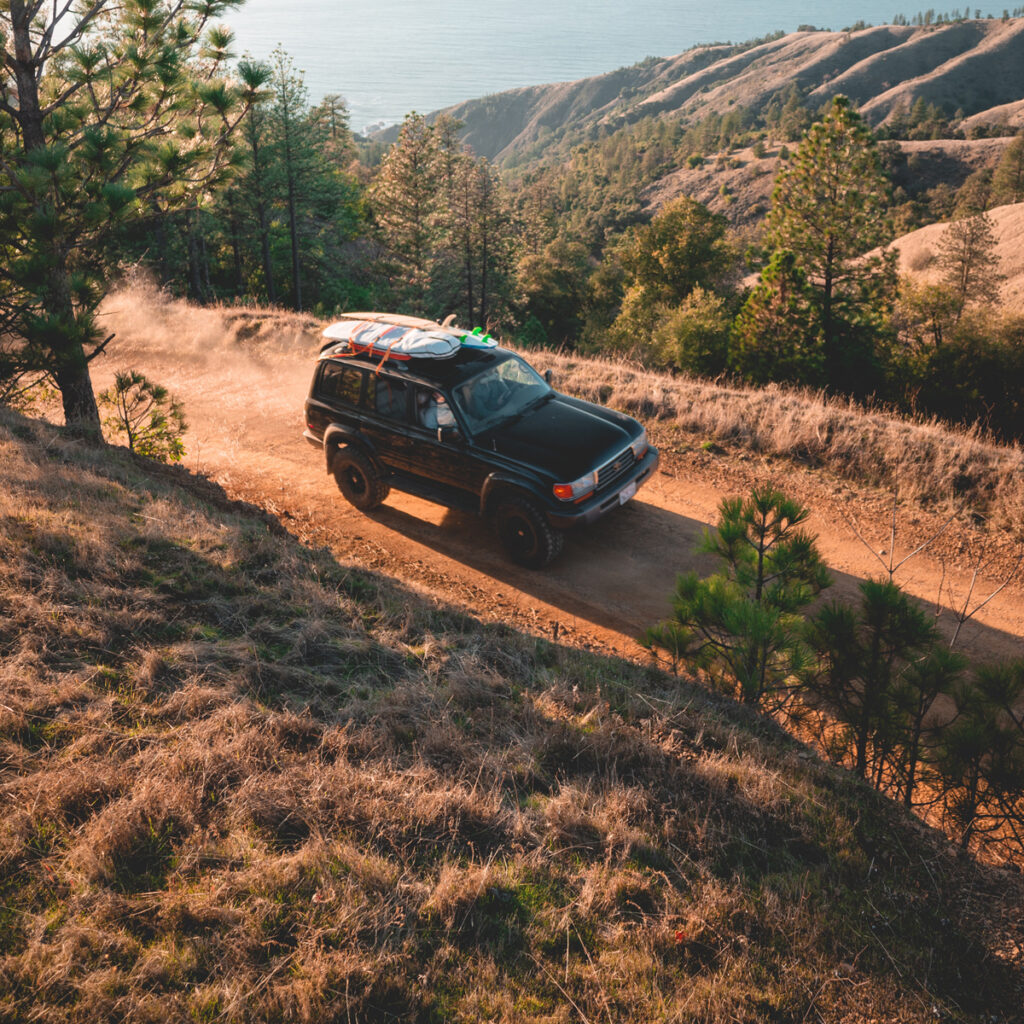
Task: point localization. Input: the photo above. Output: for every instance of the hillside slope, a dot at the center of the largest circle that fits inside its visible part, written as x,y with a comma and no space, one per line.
244,781
740,185
975,67
917,252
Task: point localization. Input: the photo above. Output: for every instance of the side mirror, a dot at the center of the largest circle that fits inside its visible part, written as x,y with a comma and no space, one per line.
449,435
548,377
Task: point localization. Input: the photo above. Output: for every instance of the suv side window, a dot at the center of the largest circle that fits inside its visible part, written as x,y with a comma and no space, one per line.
388,396
341,383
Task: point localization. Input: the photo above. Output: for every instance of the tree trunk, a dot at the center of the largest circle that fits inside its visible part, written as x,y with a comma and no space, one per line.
268,266
827,326
294,227
81,413
195,278
68,364
236,246
261,207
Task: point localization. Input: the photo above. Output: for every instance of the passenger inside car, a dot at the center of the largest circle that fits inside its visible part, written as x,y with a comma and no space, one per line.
433,411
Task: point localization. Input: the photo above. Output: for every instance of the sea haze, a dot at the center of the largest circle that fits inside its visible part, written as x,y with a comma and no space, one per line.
387,57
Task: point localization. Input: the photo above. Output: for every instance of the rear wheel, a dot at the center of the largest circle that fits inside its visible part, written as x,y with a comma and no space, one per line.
358,479
525,533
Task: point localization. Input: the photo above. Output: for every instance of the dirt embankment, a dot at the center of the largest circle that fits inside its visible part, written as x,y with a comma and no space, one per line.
243,377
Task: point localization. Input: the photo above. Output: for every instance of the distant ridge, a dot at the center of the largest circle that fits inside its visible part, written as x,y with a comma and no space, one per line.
974,68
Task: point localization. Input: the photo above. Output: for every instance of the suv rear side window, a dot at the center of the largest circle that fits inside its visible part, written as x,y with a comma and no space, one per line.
341,383
389,397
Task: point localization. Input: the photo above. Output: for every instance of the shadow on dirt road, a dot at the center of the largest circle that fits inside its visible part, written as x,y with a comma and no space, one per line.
620,573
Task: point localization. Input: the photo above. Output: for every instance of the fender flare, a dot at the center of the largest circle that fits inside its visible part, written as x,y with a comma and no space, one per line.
338,436
502,483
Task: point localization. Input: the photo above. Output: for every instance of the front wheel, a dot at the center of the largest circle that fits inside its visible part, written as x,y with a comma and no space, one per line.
358,479
525,533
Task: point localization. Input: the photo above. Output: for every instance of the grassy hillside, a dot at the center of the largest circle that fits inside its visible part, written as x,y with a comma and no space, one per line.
739,186
917,253
970,66
928,462
242,781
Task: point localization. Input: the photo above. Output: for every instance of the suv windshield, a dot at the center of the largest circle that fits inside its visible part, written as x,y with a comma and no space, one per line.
499,394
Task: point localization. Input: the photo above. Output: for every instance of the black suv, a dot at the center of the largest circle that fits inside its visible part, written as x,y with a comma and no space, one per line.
482,431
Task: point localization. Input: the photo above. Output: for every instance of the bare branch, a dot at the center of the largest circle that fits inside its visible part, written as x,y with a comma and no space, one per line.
892,567
931,540
99,349
852,523
967,613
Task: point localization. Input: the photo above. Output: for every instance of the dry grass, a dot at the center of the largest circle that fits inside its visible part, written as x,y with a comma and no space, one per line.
242,782
926,461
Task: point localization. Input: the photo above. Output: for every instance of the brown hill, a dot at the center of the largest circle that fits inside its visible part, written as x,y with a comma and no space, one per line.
251,779
739,185
975,67
917,253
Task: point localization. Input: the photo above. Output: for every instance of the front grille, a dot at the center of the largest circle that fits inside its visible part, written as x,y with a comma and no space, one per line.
615,469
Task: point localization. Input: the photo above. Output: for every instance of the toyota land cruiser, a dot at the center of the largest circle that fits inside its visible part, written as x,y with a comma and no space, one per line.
481,430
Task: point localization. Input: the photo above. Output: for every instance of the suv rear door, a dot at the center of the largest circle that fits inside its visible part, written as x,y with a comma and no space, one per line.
385,419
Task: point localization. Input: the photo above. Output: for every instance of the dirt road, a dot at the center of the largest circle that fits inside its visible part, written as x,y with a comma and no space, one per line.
244,404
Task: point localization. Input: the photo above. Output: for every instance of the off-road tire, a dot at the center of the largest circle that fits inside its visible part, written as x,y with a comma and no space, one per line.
358,479
525,533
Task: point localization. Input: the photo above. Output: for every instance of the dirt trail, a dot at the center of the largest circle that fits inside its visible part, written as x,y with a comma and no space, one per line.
244,405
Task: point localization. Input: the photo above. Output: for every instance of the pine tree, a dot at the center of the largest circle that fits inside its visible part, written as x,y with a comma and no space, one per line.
829,209
296,208
967,257
1008,180
255,189
406,200
293,147
478,231
864,653
980,756
742,625
775,336
446,222
114,110
331,118
914,698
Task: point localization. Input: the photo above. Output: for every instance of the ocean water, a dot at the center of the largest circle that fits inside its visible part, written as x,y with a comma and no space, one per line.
388,57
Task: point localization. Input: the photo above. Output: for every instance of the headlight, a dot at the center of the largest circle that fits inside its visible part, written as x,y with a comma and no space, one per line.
578,489
640,446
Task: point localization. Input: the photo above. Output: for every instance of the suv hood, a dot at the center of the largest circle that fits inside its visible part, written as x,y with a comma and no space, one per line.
562,436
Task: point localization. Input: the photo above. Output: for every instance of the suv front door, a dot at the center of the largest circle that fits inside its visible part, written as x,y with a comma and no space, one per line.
449,460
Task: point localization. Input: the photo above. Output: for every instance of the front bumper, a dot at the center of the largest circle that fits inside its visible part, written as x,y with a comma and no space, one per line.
601,504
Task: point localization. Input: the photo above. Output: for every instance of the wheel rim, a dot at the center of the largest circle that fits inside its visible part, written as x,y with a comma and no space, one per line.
355,481
518,534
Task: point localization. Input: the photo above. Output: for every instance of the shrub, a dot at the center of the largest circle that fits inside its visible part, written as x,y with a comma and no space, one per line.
695,337
150,419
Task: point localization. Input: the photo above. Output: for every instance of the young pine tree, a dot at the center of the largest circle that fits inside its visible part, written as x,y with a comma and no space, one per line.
863,654
967,257
743,624
1008,180
405,199
776,336
980,757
